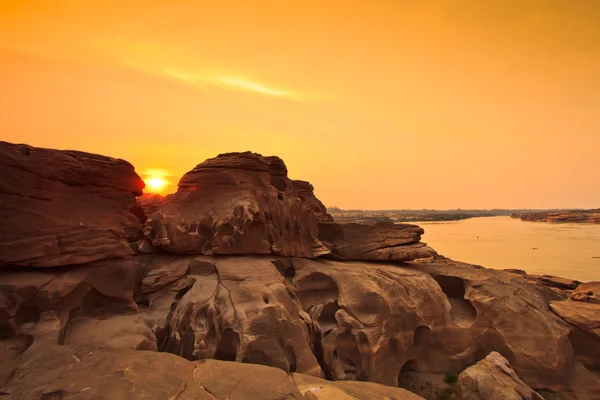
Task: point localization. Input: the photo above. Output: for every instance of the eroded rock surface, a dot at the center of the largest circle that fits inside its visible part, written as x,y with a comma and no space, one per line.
83,372
380,242
493,379
588,292
64,207
585,316
237,203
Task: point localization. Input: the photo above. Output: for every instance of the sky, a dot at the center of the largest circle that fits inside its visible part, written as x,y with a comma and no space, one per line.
381,104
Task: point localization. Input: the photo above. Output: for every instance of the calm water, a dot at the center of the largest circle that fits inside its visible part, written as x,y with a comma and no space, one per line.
537,247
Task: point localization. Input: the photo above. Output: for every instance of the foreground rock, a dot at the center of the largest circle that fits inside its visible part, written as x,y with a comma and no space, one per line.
237,203
81,373
573,216
493,379
64,207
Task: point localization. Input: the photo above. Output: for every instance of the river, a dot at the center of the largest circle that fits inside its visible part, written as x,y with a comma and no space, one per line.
567,250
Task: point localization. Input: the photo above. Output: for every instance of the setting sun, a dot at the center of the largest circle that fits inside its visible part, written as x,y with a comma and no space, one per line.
155,184
156,180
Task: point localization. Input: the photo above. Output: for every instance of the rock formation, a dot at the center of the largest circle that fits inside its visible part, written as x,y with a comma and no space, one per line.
381,242
237,203
65,207
573,216
493,379
244,288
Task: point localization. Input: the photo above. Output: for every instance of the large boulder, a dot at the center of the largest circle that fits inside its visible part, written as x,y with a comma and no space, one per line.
379,242
588,292
236,203
64,207
493,379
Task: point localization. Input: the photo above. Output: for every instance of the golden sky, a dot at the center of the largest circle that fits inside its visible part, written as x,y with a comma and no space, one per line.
379,103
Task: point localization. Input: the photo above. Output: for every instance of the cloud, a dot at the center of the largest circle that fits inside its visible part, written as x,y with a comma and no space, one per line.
228,82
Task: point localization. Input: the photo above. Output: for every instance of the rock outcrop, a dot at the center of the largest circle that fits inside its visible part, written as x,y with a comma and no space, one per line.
493,379
237,203
587,292
65,207
572,216
255,294
306,192
380,242
82,373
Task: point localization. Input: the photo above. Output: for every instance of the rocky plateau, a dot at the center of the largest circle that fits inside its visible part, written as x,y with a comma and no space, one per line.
241,286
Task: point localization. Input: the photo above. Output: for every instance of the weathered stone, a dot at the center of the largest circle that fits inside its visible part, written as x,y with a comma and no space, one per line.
381,242
237,203
64,207
587,292
493,379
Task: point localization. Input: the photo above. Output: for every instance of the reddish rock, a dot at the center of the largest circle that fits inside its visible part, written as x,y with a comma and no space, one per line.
493,379
381,242
306,192
237,203
587,292
64,207
554,281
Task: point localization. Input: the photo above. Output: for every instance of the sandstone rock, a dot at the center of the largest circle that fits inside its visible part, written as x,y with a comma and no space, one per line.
166,274
234,309
493,379
110,332
554,281
585,316
511,317
64,207
24,295
317,389
381,242
85,373
306,193
587,292
237,203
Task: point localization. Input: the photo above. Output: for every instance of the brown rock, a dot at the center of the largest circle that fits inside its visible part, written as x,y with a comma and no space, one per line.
306,192
318,389
381,242
234,309
86,373
110,332
493,379
64,207
554,281
585,316
587,292
25,295
168,273
237,203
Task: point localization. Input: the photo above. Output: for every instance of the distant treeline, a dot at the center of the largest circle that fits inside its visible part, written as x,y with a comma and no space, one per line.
492,212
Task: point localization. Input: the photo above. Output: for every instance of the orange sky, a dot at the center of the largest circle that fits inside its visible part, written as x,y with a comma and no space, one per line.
380,104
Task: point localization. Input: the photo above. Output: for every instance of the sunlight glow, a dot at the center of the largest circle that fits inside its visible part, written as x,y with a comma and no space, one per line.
155,184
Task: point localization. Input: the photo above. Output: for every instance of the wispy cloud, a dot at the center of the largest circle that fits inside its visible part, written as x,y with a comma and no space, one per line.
227,81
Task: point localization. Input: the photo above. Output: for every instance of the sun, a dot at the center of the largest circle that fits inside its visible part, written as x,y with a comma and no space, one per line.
155,184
